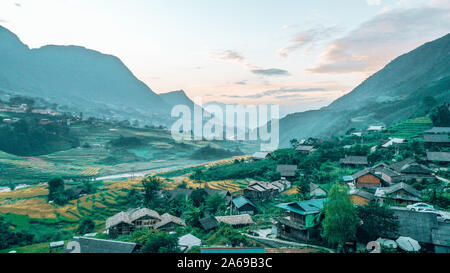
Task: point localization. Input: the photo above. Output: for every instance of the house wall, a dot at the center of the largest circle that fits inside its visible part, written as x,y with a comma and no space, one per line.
146,221
358,200
368,181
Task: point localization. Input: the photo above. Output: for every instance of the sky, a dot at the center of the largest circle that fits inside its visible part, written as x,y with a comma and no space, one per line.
298,53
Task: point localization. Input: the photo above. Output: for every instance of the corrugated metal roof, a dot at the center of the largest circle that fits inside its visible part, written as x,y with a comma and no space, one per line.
241,201
304,207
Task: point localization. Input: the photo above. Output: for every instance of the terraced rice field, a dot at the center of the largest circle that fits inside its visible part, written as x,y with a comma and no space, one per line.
411,128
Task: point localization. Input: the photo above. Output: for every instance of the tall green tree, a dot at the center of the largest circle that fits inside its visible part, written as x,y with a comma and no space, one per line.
341,219
56,190
161,242
215,204
152,185
86,226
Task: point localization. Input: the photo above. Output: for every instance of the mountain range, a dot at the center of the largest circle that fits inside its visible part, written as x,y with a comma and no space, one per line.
84,80
393,94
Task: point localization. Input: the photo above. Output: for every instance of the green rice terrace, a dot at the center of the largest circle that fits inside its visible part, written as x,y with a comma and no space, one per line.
411,128
101,154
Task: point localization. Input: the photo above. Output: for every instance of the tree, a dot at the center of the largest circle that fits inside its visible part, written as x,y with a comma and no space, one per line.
86,226
294,143
193,215
134,198
56,191
377,221
161,242
441,115
341,220
198,197
151,187
215,204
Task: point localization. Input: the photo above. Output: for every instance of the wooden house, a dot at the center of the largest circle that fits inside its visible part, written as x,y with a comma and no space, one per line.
258,156
360,197
241,205
442,158
299,219
260,191
143,218
306,149
398,194
236,221
441,140
118,225
209,223
169,223
367,178
316,191
354,161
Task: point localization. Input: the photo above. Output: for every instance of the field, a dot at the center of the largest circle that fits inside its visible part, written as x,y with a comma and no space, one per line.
411,128
96,159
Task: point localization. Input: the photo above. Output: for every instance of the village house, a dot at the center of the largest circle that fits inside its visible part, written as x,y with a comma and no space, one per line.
306,149
367,178
393,141
441,140
390,176
282,184
188,241
258,156
300,218
409,169
287,171
241,205
424,228
224,193
354,161
360,197
375,128
316,191
169,223
398,194
209,223
92,246
438,130
237,221
259,191
438,157
124,223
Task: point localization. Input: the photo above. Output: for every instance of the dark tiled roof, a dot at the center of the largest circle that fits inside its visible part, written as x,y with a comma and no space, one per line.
439,130
354,160
363,194
91,245
415,168
438,156
436,138
399,165
209,223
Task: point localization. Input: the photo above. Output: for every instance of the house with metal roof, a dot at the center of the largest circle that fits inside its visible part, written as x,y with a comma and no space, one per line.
242,205
188,241
260,156
306,149
300,218
258,191
97,246
316,190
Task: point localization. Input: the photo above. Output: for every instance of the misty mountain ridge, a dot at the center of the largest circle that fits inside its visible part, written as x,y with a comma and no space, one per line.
393,94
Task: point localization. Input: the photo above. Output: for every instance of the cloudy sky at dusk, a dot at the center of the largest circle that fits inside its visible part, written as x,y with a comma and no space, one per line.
293,52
